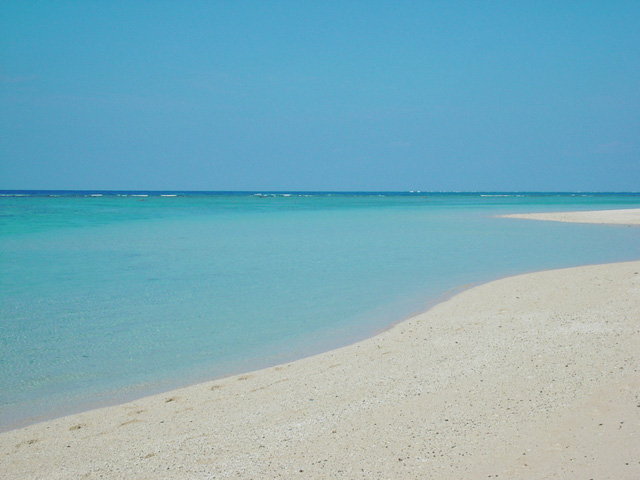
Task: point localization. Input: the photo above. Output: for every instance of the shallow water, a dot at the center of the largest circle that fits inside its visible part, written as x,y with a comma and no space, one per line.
105,298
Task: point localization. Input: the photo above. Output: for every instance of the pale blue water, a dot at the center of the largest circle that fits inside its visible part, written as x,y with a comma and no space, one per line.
105,298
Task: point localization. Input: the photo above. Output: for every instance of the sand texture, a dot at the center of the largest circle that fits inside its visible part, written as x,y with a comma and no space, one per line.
534,376
628,216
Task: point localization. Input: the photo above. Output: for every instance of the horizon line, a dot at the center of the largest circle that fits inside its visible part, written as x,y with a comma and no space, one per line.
254,192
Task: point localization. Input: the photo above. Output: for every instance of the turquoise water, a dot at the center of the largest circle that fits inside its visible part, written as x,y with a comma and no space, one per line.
106,298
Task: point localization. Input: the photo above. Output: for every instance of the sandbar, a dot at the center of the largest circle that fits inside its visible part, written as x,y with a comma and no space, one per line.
623,216
532,376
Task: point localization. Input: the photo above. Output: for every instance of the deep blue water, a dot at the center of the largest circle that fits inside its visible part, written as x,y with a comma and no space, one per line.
106,296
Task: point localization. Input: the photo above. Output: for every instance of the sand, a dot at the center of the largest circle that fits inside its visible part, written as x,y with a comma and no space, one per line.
628,216
533,376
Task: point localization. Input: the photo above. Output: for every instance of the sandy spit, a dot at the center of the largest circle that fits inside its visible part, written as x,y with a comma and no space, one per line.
627,216
533,376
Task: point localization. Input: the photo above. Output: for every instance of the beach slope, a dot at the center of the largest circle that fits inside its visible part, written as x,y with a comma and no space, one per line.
533,376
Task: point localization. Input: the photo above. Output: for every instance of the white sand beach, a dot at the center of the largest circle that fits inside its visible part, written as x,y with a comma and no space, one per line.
625,216
532,376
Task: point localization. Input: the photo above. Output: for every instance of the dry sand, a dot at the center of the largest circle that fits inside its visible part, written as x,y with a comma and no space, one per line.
533,376
628,216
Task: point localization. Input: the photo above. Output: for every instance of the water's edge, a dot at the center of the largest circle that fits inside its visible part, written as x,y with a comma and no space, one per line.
429,304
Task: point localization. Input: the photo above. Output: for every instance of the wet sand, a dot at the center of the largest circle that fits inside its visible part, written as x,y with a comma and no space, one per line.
532,376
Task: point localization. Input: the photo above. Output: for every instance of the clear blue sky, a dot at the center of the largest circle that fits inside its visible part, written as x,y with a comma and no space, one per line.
330,95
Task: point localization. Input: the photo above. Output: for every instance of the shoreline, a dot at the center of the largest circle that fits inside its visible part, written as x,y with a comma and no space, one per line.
455,391
120,399
504,378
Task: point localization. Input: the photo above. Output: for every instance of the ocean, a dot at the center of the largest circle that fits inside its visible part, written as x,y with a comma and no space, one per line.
109,296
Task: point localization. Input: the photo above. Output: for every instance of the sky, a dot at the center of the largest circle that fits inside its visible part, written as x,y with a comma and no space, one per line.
331,95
